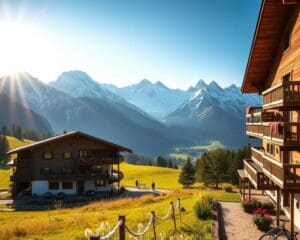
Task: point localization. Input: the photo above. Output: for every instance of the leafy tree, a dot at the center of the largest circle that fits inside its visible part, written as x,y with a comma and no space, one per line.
187,174
212,167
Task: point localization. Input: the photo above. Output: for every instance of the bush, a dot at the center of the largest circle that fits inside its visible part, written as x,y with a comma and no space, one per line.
268,206
227,188
203,207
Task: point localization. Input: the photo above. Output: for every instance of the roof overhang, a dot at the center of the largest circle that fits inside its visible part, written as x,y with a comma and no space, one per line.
66,135
270,25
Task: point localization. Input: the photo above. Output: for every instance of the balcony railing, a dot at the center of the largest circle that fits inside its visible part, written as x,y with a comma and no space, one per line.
255,130
257,176
285,175
285,95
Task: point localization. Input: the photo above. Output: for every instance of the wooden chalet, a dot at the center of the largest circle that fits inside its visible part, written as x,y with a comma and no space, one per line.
273,70
72,163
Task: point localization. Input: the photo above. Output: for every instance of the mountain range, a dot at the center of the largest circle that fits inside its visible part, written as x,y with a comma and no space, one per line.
149,118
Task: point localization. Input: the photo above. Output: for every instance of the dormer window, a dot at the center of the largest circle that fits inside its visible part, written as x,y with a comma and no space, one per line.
67,155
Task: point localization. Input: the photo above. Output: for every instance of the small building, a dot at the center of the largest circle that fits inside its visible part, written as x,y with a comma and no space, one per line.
72,163
273,70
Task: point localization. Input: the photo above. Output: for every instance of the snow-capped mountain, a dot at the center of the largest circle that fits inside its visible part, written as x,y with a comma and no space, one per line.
155,99
214,112
102,117
79,84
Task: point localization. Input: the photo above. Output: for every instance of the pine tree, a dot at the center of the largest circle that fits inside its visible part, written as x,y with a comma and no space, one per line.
187,174
3,148
170,164
161,162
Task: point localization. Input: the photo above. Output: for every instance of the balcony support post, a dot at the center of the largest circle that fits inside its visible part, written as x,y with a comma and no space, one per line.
244,190
240,185
292,213
118,177
277,205
249,189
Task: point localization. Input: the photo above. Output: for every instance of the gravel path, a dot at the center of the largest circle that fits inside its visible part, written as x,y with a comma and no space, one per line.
238,224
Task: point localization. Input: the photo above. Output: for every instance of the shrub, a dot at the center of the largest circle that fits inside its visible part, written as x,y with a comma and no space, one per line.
268,206
227,188
203,207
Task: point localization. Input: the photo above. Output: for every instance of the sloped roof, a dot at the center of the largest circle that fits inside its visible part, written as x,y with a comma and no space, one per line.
62,136
271,22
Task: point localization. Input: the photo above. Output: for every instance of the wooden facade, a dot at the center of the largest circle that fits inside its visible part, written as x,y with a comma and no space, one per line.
71,163
273,70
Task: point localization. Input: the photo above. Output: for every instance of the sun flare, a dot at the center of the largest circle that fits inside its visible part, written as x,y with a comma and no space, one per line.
21,47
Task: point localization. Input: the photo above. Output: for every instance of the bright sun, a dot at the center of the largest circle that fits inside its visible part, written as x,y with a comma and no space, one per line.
21,46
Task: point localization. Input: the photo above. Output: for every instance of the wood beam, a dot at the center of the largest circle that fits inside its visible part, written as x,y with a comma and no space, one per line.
249,189
292,214
278,206
290,2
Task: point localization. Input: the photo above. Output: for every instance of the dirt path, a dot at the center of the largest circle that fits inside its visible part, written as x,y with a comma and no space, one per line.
238,224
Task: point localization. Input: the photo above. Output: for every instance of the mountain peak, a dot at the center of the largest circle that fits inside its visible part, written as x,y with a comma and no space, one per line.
74,75
200,84
215,85
145,82
160,84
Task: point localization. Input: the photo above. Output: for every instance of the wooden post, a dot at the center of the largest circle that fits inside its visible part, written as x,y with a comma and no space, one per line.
179,208
249,189
243,190
278,206
122,228
292,215
240,190
153,223
173,212
94,238
119,174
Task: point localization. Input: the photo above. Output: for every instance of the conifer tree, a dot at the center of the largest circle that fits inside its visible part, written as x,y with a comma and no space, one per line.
187,174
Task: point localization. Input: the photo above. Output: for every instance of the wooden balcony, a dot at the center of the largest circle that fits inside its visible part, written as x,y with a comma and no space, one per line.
99,160
257,155
288,134
254,130
285,95
257,176
113,177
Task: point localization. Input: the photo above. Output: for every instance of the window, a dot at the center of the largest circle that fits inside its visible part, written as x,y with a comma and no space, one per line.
286,40
48,155
67,185
100,182
97,169
53,185
67,155
66,170
83,153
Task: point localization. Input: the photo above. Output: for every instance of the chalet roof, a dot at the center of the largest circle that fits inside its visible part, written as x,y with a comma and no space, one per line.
65,135
270,25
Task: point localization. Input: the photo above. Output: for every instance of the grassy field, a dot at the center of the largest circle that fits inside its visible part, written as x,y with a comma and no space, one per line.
164,178
71,223
4,169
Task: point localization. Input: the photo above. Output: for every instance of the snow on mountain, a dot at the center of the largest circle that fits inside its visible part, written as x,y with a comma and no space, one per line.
79,84
155,99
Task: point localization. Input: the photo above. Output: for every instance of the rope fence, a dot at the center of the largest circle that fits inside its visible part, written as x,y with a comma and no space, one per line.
123,227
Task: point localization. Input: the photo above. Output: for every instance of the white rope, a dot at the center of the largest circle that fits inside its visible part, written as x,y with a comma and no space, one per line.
113,231
140,234
166,216
177,204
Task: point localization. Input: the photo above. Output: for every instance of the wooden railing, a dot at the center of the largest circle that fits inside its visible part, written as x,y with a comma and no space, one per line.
257,153
291,175
286,93
289,132
254,129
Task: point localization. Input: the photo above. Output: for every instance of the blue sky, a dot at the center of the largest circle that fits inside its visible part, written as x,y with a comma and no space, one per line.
123,41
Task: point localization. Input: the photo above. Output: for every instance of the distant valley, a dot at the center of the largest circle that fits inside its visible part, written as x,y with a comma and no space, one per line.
151,119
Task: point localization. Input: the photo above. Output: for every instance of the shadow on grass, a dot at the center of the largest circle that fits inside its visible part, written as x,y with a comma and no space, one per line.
3,165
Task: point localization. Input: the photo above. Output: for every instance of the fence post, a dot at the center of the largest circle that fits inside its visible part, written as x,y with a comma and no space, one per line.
94,238
173,213
122,228
153,222
179,207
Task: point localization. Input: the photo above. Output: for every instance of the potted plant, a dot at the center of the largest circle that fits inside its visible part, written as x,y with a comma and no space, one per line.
249,206
262,220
